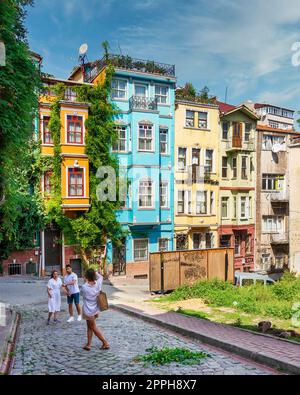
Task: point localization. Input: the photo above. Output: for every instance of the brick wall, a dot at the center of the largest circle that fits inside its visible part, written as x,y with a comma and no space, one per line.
21,257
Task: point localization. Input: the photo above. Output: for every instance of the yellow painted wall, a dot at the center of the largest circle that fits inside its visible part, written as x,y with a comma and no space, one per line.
187,137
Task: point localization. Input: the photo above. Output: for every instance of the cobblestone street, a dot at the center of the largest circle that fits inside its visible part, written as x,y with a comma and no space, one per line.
57,349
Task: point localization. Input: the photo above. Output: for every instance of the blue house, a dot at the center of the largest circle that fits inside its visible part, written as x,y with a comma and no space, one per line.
145,94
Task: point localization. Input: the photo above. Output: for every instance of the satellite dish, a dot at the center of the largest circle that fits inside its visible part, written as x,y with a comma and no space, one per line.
83,49
276,148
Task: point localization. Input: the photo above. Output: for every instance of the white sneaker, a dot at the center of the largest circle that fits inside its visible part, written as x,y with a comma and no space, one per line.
71,319
79,318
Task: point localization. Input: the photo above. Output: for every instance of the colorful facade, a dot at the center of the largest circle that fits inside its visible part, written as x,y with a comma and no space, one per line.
74,171
197,175
238,182
144,93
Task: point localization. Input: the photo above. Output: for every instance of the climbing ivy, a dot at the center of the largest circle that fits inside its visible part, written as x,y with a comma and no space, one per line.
91,229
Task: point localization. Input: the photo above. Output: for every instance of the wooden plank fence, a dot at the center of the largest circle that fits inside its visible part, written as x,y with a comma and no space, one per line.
169,270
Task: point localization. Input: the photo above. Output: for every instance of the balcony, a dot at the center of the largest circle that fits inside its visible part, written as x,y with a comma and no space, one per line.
240,146
141,103
128,63
280,238
279,197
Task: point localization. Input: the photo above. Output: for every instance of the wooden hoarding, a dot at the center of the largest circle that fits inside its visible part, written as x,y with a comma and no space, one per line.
169,270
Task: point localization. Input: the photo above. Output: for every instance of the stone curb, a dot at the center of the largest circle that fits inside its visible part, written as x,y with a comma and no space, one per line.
258,357
9,345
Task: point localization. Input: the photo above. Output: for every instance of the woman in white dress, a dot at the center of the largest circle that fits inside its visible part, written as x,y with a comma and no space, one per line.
54,296
90,291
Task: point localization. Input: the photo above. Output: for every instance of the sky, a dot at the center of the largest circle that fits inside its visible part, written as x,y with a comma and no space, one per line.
245,45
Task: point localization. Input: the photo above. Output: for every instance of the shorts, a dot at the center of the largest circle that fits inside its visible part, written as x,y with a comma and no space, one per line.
74,298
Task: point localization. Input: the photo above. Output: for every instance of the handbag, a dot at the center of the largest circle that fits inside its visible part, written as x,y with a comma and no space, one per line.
102,301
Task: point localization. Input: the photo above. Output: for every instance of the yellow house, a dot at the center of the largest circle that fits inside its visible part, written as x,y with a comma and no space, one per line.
55,251
196,175
75,166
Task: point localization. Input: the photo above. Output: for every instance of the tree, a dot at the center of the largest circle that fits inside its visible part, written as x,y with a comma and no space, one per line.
20,214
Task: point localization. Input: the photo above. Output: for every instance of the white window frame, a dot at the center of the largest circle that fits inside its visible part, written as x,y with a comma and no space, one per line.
118,128
122,90
243,214
203,202
152,194
133,249
207,120
212,160
186,125
143,85
159,96
161,128
186,159
146,138
227,201
166,183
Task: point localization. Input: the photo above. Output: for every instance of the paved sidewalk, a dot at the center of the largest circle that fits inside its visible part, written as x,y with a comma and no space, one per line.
264,349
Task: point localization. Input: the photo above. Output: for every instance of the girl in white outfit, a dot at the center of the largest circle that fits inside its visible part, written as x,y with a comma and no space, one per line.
54,297
90,291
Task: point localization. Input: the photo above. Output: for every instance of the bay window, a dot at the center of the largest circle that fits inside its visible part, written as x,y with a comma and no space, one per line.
201,202
181,159
164,194
145,194
145,137
47,136
75,182
74,129
163,140
47,182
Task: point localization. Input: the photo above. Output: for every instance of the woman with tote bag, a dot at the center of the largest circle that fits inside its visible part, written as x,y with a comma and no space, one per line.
90,293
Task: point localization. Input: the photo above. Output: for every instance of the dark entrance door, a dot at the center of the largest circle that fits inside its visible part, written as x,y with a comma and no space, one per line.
76,266
53,249
119,259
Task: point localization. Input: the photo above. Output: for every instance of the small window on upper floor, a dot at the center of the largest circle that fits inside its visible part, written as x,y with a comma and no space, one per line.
161,94
202,120
47,136
225,130
75,182
248,128
190,119
119,89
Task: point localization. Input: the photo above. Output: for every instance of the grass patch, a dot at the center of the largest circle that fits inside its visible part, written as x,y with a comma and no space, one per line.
166,356
271,301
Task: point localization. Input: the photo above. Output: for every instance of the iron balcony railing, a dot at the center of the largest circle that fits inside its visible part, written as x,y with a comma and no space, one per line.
141,103
244,146
129,63
280,196
280,238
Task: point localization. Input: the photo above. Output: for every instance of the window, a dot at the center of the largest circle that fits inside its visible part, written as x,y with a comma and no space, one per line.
248,244
145,137
274,124
118,89
164,192
181,242
140,90
224,167
74,129
163,139
163,245
237,245
225,130
120,144
195,164
196,241
70,95
47,182
47,136
181,159
225,241
234,207
224,207
75,182
189,196
145,194
248,128
180,202
140,248
161,94
202,120
244,168
273,224
272,182
234,167
212,202
201,202
243,207
269,141
190,119
209,240
209,161
250,207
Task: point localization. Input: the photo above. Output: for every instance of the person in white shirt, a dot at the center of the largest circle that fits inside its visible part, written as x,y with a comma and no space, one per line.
90,291
54,296
72,288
